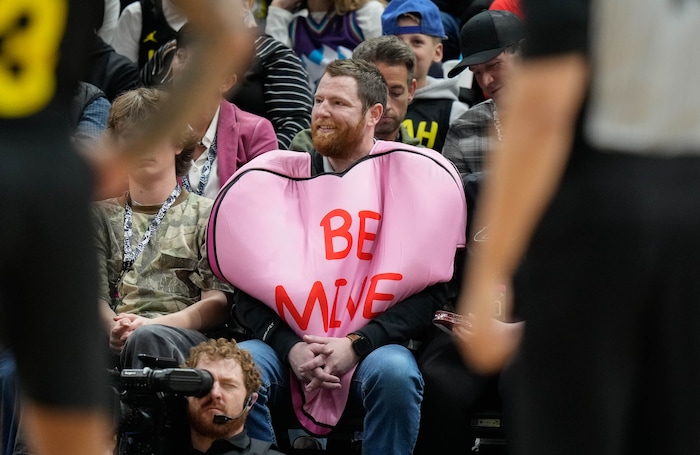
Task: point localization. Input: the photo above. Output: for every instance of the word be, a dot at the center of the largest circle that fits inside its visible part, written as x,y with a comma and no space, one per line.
343,231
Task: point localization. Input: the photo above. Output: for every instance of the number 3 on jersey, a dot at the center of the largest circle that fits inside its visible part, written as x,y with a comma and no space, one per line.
30,36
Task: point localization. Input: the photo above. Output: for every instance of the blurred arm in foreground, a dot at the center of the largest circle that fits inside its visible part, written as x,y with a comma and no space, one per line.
538,125
222,34
85,429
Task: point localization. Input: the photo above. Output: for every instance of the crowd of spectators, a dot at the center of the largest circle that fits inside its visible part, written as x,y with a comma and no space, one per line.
330,88
157,278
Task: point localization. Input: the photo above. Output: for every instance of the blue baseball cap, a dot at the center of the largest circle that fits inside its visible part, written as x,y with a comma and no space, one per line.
430,20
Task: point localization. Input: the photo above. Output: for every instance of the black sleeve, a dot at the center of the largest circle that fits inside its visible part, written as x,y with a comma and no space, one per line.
265,324
555,27
55,331
408,319
112,72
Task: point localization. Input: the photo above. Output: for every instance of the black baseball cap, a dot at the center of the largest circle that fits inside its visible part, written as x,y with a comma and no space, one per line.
485,36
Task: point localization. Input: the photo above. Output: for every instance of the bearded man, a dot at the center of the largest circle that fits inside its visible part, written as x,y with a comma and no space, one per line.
396,61
365,365
217,420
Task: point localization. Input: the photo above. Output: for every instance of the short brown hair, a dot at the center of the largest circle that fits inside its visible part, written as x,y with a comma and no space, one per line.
227,349
389,50
131,109
371,86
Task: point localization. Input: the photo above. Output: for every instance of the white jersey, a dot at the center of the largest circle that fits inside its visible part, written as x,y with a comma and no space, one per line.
645,93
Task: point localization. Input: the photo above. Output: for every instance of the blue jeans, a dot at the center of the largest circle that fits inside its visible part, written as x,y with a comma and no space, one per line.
387,384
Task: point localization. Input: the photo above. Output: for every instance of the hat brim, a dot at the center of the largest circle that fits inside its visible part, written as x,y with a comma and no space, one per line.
475,59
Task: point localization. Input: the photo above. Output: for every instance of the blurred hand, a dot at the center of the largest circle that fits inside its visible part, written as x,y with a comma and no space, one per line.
486,343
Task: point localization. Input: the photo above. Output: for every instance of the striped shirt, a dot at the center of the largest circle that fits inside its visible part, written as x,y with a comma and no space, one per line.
287,94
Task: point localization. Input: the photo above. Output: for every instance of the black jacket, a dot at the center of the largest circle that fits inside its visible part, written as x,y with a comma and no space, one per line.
240,444
110,71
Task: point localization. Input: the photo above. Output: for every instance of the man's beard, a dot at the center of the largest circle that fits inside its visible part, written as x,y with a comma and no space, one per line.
205,426
340,143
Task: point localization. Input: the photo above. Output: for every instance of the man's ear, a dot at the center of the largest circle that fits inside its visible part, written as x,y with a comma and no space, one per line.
412,89
253,399
374,114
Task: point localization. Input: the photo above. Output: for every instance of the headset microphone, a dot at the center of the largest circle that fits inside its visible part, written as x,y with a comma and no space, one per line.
221,419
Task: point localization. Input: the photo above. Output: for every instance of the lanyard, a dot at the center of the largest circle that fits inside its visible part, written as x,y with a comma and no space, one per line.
131,255
206,170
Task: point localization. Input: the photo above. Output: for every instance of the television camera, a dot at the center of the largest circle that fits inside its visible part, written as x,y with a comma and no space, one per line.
151,409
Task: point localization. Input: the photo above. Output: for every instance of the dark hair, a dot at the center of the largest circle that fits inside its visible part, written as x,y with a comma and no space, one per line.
131,109
371,86
388,49
225,349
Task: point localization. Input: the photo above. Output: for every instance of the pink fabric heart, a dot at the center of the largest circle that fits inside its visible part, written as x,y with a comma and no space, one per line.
328,253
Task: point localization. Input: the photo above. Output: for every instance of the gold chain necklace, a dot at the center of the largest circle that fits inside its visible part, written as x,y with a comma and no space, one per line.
497,124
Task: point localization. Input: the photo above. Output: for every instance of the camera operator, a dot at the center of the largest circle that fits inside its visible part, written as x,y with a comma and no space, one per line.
217,420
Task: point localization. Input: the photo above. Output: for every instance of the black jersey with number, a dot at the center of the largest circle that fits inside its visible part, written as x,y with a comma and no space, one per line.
48,298
44,48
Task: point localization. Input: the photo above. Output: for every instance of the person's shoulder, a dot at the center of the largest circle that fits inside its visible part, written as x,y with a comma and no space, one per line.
271,50
197,204
196,199
388,146
108,211
369,18
230,110
132,11
372,6
86,92
438,88
281,64
112,203
267,44
481,111
259,447
302,141
255,127
485,108
449,85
